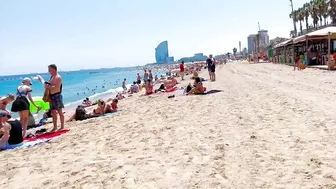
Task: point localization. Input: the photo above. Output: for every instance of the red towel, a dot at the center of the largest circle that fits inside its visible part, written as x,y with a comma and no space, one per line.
47,135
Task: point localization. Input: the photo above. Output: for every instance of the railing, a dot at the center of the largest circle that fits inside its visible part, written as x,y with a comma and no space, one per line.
310,29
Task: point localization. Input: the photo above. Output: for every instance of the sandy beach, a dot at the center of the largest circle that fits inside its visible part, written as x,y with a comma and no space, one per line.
270,127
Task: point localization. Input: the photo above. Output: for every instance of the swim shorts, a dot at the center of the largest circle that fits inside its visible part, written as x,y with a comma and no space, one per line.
56,101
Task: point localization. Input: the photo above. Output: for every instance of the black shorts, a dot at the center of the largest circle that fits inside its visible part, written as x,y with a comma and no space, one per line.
139,82
21,103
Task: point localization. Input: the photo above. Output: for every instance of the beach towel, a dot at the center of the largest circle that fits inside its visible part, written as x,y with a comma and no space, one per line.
28,144
47,135
108,114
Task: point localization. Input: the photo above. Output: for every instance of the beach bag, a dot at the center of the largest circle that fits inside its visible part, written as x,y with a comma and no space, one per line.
46,96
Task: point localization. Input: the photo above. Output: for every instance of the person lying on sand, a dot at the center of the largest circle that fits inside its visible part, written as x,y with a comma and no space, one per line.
100,110
113,107
10,133
198,87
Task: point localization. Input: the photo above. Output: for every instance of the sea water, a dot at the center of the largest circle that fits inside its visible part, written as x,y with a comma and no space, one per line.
77,85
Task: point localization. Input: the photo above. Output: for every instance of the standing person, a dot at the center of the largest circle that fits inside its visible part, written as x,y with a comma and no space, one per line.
21,103
124,85
146,76
55,90
150,75
138,79
182,70
213,69
209,64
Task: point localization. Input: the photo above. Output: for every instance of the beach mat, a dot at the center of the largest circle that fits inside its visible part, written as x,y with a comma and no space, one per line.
47,135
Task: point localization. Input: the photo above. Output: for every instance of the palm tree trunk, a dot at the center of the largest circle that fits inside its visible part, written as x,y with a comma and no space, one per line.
321,21
307,26
301,27
325,21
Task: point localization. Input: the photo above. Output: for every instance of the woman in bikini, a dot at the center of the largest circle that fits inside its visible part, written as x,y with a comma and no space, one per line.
21,103
198,87
113,107
149,87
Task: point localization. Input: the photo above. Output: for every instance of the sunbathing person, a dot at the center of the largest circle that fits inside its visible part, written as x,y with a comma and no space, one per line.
149,87
113,107
198,87
4,101
81,114
10,132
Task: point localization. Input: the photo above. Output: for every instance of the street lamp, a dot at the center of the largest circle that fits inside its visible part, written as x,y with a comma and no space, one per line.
294,33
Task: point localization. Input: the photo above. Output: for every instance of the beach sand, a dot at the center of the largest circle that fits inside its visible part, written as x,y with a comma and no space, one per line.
271,127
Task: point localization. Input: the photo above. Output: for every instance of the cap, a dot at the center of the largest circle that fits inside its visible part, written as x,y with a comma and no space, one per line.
27,79
3,113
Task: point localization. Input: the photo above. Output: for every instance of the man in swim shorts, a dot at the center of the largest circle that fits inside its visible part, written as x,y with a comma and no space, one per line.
55,89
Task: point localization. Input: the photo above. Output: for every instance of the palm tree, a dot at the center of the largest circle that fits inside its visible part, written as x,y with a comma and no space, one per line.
300,17
314,13
306,14
325,11
234,50
332,11
293,16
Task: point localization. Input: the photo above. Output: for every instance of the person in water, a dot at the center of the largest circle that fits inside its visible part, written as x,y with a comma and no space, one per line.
55,90
198,87
149,87
10,132
21,103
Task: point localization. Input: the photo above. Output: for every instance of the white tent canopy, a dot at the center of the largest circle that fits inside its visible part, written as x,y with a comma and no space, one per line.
322,33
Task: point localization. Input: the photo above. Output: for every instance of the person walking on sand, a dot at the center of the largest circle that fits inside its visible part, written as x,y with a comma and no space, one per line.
182,70
55,90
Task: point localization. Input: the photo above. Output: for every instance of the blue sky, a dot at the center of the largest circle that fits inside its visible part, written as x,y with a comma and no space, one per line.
81,34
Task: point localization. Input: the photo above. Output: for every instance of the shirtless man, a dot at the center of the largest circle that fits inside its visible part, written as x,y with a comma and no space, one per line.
55,88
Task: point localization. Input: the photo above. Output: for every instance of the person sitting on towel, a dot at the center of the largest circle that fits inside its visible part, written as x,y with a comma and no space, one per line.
4,101
113,107
10,132
198,87
149,87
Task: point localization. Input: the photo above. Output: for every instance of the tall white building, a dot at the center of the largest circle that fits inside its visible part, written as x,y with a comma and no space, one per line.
263,41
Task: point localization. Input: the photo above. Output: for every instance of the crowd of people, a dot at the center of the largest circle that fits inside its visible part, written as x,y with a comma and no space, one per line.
12,132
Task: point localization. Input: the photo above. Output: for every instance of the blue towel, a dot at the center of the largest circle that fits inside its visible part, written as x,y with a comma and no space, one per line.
108,114
28,144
